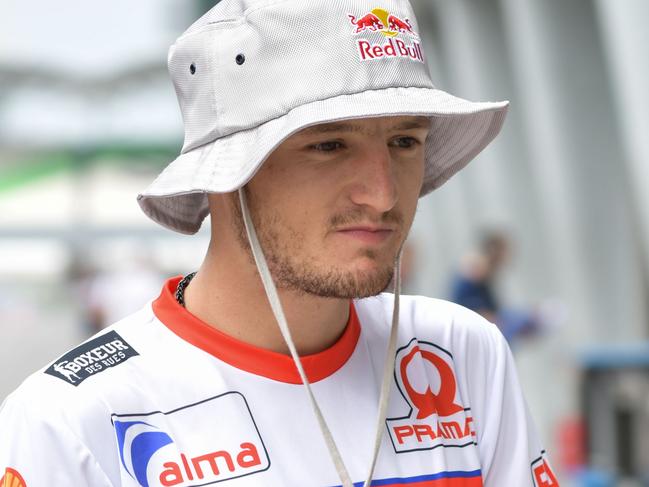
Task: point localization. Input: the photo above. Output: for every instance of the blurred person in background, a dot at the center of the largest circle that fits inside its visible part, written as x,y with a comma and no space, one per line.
281,361
109,288
475,287
108,295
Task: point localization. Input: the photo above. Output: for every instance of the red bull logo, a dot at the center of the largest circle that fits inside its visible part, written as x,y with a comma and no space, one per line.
367,22
395,24
391,26
380,20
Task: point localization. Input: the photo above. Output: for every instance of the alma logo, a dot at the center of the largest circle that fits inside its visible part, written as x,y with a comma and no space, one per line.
175,474
426,379
209,441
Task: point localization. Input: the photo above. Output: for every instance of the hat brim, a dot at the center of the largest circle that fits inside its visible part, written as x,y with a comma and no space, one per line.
460,130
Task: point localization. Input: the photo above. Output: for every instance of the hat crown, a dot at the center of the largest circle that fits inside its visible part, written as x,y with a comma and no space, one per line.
246,62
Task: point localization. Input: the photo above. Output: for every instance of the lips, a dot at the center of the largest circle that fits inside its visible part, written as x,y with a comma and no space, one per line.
366,234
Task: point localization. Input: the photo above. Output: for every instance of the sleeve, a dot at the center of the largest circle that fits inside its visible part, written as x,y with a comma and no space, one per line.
510,450
38,450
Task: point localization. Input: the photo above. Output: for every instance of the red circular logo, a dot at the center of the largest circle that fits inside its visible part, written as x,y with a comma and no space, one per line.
427,403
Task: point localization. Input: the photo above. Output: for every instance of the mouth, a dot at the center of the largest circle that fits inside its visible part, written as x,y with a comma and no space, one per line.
367,234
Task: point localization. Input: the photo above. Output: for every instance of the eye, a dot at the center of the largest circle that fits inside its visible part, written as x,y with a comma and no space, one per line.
328,146
405,142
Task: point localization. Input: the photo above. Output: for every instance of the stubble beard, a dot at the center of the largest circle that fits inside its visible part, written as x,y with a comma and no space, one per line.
292,273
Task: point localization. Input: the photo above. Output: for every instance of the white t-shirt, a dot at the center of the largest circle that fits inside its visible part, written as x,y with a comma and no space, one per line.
162,399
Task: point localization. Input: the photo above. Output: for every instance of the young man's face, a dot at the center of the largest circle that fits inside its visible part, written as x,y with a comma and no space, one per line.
333,204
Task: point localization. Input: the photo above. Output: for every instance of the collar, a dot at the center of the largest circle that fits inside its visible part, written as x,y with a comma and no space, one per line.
247,357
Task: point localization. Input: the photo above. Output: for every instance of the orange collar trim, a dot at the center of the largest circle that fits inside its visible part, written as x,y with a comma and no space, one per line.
250,358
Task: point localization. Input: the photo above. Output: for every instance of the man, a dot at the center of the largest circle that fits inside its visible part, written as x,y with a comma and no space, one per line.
311,130
473,285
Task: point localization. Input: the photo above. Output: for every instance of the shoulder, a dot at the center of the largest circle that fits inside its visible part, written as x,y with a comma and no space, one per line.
430,318
476,346
80,377
61,413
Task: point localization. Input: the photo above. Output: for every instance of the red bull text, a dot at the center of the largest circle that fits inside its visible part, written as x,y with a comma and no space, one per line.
399,39
392,48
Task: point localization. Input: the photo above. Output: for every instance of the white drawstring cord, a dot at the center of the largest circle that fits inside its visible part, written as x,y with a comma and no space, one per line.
388,369
276,306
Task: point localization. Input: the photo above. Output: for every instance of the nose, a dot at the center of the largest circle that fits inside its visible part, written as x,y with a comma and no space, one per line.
375,183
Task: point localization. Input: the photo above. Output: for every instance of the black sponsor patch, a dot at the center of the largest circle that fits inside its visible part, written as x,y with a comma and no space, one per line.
92,357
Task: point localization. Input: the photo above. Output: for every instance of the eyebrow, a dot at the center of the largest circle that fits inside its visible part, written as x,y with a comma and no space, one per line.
351,127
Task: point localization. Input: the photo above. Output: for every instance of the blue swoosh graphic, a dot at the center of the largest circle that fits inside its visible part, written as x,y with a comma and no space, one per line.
143,447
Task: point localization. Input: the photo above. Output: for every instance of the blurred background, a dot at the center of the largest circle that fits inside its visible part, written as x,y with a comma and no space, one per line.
546,232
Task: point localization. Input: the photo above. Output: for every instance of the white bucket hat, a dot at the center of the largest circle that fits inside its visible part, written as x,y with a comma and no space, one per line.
250,73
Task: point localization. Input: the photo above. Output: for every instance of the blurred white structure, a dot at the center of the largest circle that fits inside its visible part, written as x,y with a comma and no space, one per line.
568,177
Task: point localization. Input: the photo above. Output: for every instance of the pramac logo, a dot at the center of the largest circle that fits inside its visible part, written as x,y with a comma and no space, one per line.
390,26
12,478
436,417
427,403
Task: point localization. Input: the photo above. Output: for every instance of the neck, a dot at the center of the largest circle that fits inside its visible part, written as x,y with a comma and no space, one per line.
227,293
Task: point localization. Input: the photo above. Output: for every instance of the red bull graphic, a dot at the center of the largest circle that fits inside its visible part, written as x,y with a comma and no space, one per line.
395,24
391,26
426,379
369,22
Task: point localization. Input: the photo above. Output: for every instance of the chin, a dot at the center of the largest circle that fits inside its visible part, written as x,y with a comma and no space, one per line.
373,264
341,283
357,277
368,283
